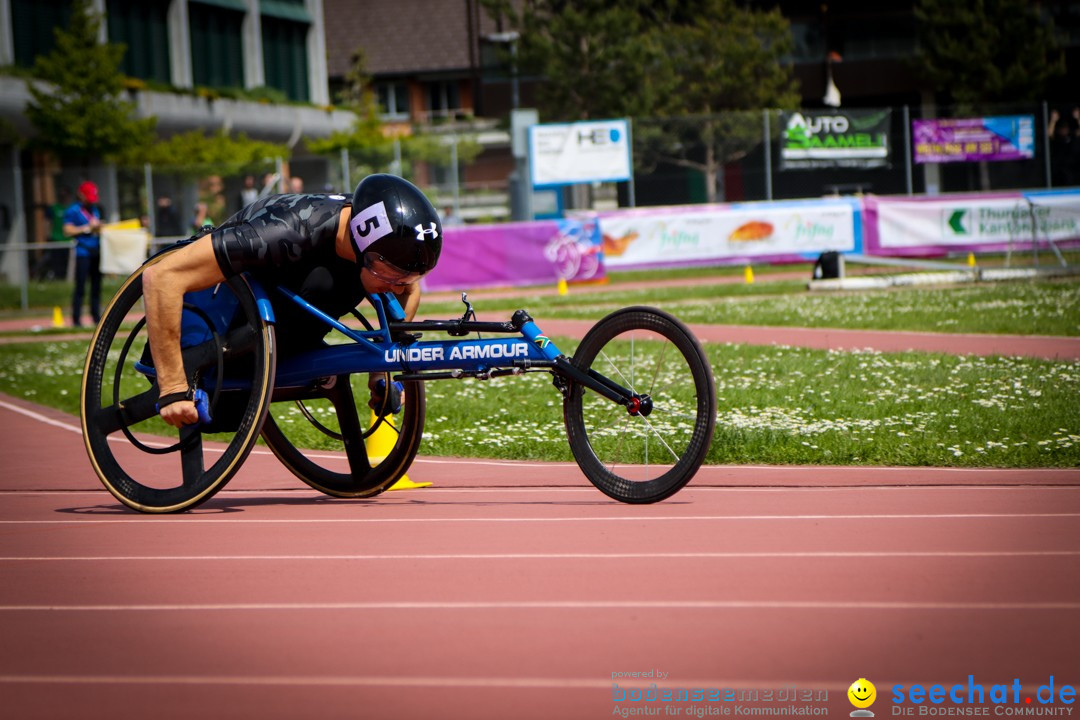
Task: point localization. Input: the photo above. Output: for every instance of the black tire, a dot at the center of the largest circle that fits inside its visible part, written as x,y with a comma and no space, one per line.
343,402
171,473
650,352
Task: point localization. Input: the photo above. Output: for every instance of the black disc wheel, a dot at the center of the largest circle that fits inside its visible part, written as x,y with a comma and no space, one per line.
330,439
228,349
646,453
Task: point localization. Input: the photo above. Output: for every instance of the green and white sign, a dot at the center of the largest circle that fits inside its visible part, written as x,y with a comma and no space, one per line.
815,139
971,220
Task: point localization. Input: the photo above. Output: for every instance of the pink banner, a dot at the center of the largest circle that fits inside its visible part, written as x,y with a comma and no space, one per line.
516,254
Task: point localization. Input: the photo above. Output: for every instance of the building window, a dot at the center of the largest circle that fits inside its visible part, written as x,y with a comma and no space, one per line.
285,56
443,98
217,56
32,23
144,28
393,100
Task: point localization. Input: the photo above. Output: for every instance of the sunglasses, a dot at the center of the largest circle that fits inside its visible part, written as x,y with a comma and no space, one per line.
385,271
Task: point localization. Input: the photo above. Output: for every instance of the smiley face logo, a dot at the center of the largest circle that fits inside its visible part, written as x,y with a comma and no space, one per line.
862,693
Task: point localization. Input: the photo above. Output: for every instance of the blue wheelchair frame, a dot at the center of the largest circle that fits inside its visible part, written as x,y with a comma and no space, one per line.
393,348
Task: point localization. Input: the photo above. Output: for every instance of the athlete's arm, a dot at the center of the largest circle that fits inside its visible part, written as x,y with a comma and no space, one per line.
164,284
410,300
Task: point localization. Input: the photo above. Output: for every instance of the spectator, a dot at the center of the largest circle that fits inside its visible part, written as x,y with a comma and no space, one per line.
54,261
248,193
167,221
82,221
201,219
296,185
1064,132
450,219
270,181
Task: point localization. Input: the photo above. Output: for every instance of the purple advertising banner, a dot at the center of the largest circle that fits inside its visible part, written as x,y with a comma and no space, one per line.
516,254
1005,137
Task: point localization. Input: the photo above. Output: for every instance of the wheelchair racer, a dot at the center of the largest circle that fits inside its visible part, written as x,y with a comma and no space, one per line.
326,249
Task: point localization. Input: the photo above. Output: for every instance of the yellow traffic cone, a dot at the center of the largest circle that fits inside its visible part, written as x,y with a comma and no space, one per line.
971,259
563,289
380,443
57,317
749,275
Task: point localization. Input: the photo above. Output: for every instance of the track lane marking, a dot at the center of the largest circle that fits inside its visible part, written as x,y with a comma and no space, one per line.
195,517
563,556
440,681
556,605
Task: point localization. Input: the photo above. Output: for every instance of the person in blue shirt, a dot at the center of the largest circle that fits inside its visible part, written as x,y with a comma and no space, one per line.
82,221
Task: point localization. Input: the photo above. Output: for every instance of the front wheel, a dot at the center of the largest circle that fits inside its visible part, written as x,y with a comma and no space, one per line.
646,456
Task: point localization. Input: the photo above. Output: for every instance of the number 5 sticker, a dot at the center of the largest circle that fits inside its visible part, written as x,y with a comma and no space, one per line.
369,225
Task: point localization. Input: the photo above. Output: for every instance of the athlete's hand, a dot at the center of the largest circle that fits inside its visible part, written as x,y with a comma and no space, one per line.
180,413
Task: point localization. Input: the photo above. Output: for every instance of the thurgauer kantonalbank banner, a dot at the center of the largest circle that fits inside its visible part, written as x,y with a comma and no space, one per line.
818,139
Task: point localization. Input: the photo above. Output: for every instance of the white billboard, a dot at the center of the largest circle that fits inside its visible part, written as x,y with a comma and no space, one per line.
581,152
710,234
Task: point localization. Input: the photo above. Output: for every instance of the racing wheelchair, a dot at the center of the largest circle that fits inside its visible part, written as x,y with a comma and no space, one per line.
639,402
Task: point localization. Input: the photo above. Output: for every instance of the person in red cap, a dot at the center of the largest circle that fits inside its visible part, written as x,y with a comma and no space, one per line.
82,221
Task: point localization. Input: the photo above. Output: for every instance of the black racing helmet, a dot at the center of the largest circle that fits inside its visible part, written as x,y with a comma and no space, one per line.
393,223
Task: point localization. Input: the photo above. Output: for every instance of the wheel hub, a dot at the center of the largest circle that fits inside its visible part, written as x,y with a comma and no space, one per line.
640,405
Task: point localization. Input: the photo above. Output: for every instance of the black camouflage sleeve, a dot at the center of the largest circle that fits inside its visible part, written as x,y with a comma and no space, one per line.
276,233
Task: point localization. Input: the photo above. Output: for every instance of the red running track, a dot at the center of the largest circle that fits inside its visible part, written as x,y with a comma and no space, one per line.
516,590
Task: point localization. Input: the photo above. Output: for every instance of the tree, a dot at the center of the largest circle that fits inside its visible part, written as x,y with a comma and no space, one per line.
368,141
595,57
195,153
986,51
723,66
691,68
78,111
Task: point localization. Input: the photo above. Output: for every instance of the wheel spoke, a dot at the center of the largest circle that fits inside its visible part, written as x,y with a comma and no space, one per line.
128,412
351,432
659,364
618,446
618,371
651,428
191,454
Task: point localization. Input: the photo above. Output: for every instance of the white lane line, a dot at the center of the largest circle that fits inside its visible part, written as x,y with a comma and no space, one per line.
479,683
563,556
546,489
557,605
197,517
397,681
41,418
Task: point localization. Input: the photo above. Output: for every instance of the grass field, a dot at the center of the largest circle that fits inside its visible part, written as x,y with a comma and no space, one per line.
776,405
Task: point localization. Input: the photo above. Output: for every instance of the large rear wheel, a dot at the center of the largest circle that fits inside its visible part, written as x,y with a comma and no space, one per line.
228,348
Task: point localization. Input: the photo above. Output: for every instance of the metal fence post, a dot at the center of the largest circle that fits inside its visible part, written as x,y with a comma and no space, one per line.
454,176
346,183
148,182
768,153
1046,145
20,226
907,150
631,195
